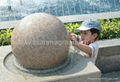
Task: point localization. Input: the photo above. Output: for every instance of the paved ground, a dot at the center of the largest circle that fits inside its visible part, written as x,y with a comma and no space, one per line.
111,77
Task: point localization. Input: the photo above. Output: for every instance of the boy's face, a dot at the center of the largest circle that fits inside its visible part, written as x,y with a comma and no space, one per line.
87,36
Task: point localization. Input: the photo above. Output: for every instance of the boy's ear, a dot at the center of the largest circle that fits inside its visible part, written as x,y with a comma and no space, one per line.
95,35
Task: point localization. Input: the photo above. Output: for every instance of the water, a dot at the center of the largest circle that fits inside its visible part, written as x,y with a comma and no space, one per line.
17,9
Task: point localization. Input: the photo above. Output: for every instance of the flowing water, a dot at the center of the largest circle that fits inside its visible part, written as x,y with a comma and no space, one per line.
17,9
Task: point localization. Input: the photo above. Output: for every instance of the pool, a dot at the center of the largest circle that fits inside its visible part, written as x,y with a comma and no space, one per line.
17,9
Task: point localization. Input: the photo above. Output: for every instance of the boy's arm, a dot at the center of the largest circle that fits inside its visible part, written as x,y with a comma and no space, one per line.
85,48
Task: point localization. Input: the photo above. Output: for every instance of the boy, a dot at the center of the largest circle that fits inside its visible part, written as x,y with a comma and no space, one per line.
87,42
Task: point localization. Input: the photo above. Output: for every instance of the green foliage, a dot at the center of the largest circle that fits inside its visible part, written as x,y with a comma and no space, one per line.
5,36
110,28
72,26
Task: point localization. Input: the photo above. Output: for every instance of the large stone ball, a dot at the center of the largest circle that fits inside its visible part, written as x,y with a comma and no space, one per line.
40,41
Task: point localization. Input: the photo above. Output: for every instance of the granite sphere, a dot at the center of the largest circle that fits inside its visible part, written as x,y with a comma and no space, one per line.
40,41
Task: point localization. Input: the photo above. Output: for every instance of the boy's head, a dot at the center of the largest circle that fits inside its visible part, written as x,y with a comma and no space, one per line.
89,30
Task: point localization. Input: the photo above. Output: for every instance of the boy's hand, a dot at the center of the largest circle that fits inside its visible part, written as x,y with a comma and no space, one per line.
86,42
72,36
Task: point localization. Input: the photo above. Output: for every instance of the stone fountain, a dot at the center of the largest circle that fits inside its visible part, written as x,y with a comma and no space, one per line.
40,51
12,10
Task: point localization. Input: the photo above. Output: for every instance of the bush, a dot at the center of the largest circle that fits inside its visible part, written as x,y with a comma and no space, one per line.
72,26
110,28
5,36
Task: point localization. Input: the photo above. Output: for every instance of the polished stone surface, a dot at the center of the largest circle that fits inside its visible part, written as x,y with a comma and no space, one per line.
40,41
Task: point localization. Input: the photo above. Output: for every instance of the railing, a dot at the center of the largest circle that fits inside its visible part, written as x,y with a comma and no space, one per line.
72,18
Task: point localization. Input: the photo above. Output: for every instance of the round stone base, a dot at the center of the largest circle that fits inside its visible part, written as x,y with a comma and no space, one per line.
78,69
11,60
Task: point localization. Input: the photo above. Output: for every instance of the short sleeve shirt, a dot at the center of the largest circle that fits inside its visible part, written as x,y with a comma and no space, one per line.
94,47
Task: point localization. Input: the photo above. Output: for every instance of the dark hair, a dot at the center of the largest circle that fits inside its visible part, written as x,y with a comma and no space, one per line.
93,30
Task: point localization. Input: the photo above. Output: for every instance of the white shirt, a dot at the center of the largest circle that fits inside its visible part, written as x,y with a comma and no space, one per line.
94,47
